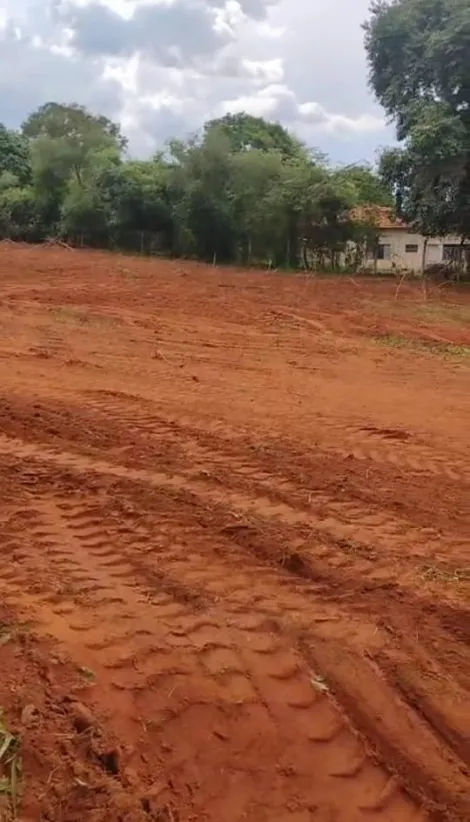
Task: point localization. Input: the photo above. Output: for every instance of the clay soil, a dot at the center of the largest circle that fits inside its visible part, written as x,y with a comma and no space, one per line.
235,520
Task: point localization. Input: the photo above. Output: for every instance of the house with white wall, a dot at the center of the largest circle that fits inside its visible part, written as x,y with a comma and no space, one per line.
401,249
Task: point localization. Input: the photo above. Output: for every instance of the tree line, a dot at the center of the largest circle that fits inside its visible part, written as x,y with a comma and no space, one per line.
246,190
242,190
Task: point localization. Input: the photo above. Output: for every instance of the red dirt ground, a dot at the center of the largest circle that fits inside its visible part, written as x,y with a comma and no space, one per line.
235,516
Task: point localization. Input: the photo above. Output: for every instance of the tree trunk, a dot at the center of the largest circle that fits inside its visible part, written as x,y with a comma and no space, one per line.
293,230
78,175
304,256
461,261
423,258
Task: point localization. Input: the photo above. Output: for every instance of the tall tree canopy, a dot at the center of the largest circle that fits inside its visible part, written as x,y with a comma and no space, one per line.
419,58
244,132
73,123
67,143
364,184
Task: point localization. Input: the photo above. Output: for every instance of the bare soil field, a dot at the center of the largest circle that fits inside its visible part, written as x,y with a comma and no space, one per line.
235,569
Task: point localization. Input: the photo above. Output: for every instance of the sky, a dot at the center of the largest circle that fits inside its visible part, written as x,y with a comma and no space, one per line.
163,67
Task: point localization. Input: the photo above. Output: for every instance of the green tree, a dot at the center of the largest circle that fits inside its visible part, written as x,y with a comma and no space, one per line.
296,195
245,132
51,171
18,214
364,185
257,211
418,53
67,144
74,123
15,155
70,136
136,203
330,225
82,216
200,191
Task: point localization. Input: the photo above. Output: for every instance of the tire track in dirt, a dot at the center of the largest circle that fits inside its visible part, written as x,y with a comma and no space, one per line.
229,455
300,608
395,447
275,602
166,665
407,455
353,538
353,528
364,538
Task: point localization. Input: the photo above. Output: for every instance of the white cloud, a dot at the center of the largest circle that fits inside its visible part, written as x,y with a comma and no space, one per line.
125,72
266,71
165,66
279,102
339,124
266,29
229,17
125,8
257,106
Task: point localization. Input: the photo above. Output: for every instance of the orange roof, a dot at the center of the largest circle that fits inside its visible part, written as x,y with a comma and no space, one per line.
381,216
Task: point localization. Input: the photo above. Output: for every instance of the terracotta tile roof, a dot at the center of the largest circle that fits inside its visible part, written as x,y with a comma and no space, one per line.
382,216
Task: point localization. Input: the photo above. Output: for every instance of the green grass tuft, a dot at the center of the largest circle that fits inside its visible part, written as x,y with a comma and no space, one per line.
10,766
421,346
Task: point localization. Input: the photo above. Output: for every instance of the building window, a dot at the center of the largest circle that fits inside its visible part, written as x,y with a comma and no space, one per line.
384,251
411,248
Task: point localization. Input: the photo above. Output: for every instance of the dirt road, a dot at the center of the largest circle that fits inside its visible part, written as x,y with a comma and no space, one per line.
240,503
